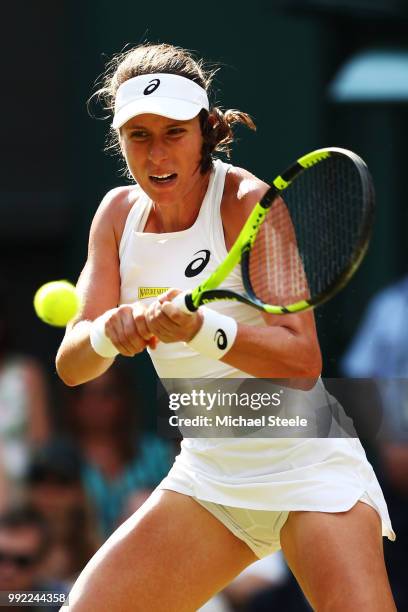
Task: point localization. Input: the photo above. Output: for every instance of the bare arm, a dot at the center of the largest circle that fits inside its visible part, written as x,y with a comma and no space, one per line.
99,289
287,348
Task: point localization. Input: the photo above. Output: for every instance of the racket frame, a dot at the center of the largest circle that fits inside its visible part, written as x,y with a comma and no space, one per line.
208,290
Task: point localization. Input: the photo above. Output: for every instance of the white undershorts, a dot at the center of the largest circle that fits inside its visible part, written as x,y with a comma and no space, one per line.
252,492
259,529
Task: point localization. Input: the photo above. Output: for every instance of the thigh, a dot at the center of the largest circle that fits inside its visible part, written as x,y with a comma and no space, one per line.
171,555
338,559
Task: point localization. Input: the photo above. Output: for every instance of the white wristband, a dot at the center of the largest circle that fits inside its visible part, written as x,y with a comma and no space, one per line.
100,342
216,336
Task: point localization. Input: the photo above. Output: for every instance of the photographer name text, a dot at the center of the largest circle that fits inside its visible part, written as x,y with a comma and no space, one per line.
237,421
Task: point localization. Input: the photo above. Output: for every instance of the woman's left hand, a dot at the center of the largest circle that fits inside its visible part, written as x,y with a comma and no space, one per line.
168,323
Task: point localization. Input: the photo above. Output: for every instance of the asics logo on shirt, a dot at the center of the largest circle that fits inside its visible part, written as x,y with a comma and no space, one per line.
221,339
198,264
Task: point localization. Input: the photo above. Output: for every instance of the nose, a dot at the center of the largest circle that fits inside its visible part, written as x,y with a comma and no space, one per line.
157,151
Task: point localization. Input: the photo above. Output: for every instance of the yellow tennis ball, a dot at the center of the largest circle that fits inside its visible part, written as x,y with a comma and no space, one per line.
56,303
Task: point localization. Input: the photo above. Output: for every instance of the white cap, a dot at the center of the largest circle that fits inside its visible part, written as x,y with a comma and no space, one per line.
169,95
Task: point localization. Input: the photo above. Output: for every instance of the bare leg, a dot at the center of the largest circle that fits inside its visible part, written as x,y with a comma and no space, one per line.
171,555
338,560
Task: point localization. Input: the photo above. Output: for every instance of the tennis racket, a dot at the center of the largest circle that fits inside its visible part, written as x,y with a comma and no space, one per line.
303,241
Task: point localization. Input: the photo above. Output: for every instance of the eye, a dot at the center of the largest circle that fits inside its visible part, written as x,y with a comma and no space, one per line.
176,131
138,134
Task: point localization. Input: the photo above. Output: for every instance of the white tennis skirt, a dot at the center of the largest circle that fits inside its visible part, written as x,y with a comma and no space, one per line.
322,475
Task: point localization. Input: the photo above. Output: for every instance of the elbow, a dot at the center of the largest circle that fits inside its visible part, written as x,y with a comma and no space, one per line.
306,384
74,371
69,382
65,377
311,371
307,369
314,366
63,371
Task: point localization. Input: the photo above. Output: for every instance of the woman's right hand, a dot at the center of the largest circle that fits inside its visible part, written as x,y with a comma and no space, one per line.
126,328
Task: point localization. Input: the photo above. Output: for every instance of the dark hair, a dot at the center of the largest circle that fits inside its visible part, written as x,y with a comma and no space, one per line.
216,125
21,517
57,461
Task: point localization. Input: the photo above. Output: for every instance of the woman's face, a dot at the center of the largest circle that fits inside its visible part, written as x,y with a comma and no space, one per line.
163,156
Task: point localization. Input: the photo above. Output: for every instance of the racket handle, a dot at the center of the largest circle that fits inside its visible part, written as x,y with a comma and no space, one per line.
180,302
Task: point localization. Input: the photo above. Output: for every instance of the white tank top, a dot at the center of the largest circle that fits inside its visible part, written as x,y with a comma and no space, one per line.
151,262
260,473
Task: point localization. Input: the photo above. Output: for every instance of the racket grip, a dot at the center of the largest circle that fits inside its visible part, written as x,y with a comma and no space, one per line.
180,302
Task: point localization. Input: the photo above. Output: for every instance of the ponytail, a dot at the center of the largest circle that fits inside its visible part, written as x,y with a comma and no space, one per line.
218,135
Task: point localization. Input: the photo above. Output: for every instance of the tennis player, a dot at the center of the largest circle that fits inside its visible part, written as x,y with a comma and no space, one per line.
226,501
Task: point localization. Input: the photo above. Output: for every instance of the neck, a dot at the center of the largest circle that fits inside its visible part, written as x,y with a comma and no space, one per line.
180,215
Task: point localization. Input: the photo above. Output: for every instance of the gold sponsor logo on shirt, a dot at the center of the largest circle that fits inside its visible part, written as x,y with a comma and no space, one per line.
148,292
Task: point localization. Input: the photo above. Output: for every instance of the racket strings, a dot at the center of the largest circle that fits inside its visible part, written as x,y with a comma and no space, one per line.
311,238
275,268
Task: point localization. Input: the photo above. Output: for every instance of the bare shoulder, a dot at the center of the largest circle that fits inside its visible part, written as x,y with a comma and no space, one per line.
241,192
114,209
244,187
99,281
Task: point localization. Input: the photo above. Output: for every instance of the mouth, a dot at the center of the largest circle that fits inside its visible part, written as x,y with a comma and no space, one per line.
163,179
